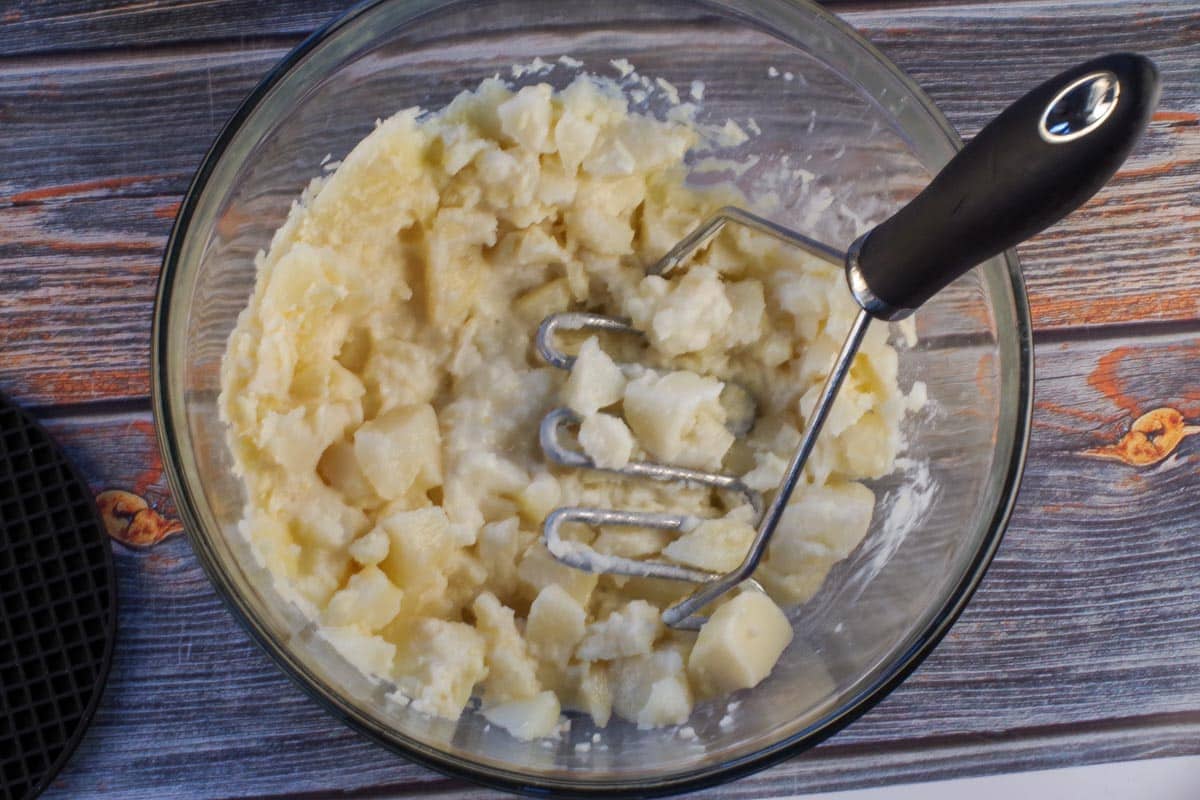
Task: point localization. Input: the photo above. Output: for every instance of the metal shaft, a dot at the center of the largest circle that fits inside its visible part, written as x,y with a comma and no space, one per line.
713,225
676,615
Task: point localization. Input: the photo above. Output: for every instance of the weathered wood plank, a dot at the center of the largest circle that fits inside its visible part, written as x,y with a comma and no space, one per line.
122,125
1083,643
158,112
129,130
30,27
79,281
116,451
43,26
1111,262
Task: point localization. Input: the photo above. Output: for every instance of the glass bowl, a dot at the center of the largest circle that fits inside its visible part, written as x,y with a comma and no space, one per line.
867,138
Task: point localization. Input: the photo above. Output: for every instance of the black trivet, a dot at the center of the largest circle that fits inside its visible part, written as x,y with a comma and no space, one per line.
58,602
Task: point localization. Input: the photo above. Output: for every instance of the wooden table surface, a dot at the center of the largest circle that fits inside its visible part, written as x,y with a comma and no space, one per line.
1083,644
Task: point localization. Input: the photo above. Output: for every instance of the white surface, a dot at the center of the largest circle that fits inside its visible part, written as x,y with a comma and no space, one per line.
1152,779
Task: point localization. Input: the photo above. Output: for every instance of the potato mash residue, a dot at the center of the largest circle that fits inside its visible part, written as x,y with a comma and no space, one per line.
382,397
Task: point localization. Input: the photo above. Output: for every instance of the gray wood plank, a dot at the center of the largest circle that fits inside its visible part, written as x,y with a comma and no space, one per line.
43,26
82,223
973,58
1083,643
79,283
152,115
49,26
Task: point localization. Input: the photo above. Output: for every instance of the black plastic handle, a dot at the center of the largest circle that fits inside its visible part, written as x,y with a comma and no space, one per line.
1046,155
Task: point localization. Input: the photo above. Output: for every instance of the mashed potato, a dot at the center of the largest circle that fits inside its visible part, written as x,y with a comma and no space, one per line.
382,397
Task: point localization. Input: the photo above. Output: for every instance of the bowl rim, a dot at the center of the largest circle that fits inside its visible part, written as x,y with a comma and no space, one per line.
167,417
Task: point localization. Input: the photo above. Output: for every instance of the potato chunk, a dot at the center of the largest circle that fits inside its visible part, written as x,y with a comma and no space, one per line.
526,118
370,654
694,314
498,546
590,691
739,644
368,600
419,553
370,548
607,440
596,382
821,520
442,662
652,689
628,631
555,625
717,545
401,451
526,719
539,498
512,672
679,418
574,136
538,569
340,468
454,265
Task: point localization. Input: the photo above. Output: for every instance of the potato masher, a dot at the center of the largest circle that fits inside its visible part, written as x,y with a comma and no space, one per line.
1044,156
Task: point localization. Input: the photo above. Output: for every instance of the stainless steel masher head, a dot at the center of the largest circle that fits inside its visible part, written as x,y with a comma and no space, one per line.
1043,157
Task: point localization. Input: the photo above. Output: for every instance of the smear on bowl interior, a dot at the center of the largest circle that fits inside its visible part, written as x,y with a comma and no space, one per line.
382,397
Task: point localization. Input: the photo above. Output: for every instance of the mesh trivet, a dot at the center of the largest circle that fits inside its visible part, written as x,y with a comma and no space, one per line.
58,598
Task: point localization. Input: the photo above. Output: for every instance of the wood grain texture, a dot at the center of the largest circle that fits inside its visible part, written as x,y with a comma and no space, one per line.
1082,644
82,224
46,26
973,58
54,26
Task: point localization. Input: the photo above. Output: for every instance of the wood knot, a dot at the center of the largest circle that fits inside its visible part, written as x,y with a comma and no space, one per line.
1152,437
130,520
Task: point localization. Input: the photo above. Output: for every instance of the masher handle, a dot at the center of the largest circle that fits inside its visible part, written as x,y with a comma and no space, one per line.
1043,157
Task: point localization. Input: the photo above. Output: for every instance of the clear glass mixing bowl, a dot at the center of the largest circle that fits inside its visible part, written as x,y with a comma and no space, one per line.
870,140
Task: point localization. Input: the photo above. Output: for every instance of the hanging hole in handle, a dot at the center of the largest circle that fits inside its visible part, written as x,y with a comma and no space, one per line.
1080,108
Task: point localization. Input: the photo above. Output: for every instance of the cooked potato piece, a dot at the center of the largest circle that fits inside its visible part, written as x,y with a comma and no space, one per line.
574,136
371,654
716,545
526,118
538,569
539,498
652,690
512,671
454,265
631,542
419,552
542,301
629,631
695,313
369,600
739,644
556,624
607,440
442,662
829,519
401,452
499,545
528,718
595,382
590,691
370,548
340,468
679,418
